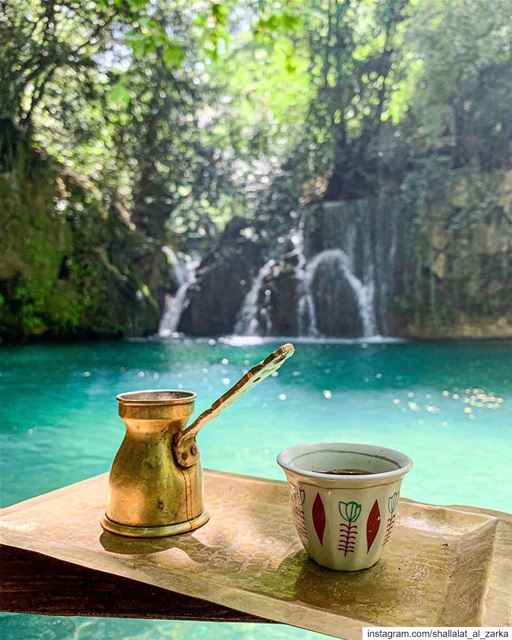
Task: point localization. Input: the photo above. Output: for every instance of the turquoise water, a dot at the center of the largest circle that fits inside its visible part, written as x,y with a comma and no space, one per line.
449,406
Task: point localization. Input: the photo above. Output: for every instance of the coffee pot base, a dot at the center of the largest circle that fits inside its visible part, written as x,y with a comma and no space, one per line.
161,531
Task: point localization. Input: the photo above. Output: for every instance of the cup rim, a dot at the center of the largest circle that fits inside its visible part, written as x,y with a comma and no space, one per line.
286,458
175,397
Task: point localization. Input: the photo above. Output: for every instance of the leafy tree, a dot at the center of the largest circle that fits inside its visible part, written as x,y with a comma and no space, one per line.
461,58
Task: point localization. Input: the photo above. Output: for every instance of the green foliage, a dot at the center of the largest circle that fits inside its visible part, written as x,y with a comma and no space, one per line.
63,271
118,94
463,64
347,93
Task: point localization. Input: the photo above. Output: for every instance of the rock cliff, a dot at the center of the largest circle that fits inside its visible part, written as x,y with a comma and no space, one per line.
456,281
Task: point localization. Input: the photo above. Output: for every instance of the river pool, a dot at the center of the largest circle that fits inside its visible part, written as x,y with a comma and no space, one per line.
447,405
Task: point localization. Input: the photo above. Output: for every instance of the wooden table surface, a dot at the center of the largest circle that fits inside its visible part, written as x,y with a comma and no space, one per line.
35,583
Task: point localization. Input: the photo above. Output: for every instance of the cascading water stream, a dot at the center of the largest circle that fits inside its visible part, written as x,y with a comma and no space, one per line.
306,316
248,323
363,292
184,275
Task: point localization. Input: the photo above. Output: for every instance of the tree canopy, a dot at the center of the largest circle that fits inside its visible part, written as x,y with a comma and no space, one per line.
185,114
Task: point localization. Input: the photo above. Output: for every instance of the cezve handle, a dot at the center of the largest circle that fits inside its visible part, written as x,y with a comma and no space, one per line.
185,448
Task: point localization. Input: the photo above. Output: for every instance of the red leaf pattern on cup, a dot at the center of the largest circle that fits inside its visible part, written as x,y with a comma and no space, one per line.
372,524
318,513
389,528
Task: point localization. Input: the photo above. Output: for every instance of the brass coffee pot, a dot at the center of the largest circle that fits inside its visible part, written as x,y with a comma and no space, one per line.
156,479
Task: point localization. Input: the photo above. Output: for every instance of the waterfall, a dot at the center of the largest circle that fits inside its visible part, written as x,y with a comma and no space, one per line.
248,323
184,275
344,261
306,317
350,254
337,260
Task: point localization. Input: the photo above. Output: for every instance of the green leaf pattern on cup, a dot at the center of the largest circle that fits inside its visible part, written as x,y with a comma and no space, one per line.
350,511
393,502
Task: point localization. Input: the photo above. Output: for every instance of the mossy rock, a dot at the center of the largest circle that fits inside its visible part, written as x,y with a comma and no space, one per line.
67,265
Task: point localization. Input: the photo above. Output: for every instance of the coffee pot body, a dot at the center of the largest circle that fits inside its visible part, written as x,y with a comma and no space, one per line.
150,493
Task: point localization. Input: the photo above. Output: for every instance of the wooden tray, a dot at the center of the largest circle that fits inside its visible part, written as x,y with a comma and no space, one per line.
443,566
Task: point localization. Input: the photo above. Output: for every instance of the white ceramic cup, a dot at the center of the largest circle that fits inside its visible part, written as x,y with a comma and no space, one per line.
344,521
